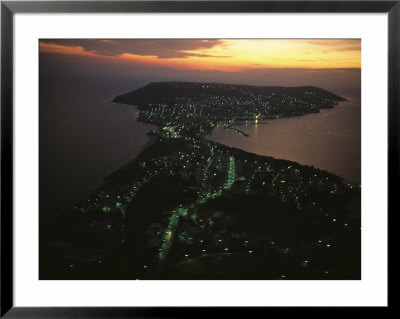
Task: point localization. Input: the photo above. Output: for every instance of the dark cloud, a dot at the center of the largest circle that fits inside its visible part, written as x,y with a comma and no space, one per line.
162,48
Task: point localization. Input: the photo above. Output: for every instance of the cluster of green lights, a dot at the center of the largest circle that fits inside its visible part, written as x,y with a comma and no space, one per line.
185,211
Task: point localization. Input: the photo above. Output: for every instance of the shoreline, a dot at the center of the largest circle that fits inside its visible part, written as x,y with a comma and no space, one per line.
150,142
246,128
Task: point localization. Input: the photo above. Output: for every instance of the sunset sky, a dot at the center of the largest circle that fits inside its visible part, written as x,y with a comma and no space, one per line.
226,55
126,64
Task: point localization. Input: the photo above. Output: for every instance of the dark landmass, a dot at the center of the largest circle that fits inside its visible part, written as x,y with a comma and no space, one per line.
170,92
189,208
196,108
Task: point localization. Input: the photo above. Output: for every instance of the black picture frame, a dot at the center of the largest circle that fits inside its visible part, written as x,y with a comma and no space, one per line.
9,8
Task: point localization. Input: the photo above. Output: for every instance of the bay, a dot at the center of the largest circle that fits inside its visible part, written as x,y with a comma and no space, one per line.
329,140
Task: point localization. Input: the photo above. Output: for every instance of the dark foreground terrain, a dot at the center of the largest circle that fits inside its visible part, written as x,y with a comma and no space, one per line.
189,208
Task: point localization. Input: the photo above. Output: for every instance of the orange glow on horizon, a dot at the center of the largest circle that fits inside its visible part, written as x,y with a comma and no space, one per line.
56,48
238,55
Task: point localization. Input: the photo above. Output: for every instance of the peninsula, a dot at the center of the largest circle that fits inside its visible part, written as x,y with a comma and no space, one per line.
195,108
190,208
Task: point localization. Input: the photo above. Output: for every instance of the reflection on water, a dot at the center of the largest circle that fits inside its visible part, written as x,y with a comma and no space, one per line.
329,140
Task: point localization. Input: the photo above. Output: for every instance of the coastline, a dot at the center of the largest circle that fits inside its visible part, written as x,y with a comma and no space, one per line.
150,142
314,122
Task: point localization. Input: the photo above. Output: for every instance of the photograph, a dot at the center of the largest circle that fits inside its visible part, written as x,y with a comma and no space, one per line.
199,159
